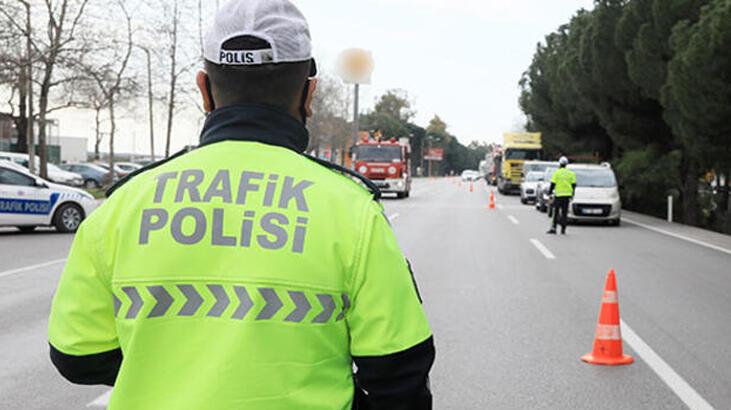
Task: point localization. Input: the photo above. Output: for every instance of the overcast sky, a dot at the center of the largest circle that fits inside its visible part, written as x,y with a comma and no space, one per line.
460,59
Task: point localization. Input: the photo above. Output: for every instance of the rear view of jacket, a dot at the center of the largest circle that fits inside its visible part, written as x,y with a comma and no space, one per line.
240,276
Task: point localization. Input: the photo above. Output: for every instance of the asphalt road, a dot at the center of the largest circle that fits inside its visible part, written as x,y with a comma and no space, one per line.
510,321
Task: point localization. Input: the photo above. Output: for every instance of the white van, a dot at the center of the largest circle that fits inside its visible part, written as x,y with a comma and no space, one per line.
55,174
597,195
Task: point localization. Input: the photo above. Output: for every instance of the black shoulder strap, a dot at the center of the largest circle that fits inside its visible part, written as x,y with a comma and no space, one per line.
146,168
335,167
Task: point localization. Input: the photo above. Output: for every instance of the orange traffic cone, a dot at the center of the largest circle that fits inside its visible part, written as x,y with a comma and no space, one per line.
491,205
608,337
472,186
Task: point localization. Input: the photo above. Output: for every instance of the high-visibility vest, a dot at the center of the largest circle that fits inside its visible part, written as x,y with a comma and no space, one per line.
565,179
240,275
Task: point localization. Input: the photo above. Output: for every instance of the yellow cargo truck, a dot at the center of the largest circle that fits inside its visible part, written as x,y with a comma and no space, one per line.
517,149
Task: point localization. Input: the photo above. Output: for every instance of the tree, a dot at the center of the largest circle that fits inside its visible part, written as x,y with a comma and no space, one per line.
698,93
328,124
108,73
391,114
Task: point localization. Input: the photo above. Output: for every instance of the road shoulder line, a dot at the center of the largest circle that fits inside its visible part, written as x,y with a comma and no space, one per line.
30,268
679,236
542,248
673,380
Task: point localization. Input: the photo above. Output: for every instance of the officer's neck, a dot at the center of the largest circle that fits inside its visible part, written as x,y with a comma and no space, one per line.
262,123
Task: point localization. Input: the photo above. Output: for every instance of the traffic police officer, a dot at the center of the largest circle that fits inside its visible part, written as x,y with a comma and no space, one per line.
243,274
563,184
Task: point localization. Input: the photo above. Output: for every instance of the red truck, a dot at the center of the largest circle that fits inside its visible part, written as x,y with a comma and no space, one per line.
385,162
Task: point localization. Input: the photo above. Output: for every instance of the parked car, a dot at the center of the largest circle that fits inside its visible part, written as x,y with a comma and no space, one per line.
118,170
27,201
470,175
55,174
128,167
597,195
529,187
93,175
542,188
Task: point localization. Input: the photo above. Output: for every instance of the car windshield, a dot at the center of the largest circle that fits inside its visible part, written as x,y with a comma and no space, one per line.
595,178
377,153
522,154
533,176
540,168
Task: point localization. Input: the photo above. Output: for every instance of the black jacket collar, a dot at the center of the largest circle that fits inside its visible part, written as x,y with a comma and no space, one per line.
255,122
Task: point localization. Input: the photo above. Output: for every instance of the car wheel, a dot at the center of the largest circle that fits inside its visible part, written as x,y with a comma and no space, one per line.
91,184
616,222
523,201
26,229
400,195
68,217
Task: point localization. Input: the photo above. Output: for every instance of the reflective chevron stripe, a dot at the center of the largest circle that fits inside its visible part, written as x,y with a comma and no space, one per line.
328,308
267,304
137,302
117,305
302,307
163,298
245,303
222,300
194,300
273,304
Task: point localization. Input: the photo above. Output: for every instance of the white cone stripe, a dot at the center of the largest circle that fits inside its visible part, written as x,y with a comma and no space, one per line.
608,332
610,297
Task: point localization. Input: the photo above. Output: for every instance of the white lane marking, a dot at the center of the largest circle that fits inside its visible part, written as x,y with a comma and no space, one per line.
513,220
542,248
101,401
30,268
678,236
677,384
393,217
500,206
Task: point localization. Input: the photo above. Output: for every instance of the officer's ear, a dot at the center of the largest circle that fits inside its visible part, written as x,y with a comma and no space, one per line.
204,85
310,96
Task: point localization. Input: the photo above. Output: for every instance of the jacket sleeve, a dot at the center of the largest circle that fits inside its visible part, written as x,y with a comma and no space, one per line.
391,342
81,330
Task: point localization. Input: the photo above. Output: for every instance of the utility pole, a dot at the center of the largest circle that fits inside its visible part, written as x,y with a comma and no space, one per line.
356,114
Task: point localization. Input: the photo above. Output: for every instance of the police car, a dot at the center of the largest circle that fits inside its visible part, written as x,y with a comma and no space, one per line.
27,201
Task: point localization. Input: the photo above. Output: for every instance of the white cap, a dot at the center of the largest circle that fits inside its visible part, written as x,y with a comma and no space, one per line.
563,161
277,22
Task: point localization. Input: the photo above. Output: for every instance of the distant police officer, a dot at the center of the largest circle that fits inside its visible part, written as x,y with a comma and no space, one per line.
244,275
563,187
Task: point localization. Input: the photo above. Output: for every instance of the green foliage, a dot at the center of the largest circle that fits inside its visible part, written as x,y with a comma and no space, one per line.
393,115
645,84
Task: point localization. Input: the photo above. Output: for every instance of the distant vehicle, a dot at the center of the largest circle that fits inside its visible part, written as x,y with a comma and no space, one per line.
493,161
27,201
128,167
118,170
517,149
542,188
93,175
385,162
597,195
529,187
470,175
538,166
55,174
